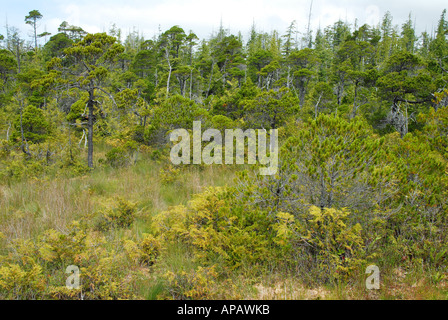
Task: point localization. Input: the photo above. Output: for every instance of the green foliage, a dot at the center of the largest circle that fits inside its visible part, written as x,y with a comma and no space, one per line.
436,129
122,156
34,124
78,110
422,184
338,246
194,285
329,246
329,162
8,64
169,174
176,112
146,252
215,230
53,158
56,45
17,282
404,73
325,243
362,119
121,215
36,270
270,109
221,122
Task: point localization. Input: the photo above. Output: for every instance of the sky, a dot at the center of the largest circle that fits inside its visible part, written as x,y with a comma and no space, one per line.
205,16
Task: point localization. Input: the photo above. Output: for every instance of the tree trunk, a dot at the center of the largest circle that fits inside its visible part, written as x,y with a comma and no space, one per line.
18,58
168,83
90,105
169,74
316,107
35,35
191,81
7,132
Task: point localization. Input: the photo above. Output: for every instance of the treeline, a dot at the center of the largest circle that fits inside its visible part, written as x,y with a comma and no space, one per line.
141,88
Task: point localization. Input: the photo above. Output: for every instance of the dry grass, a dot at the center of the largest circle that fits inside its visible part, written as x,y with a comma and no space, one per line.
289,290
27,208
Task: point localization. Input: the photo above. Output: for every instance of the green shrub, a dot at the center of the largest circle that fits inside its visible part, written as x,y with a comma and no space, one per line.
121,215
122,156
327,246
21,281
146,252
194,285
34,124
215,227
36,270
169,174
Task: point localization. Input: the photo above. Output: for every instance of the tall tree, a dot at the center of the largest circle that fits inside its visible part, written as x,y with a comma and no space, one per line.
407,81
86,66
170,44
408,37
439,46
303,64
15,45
289,42
73,32
32,19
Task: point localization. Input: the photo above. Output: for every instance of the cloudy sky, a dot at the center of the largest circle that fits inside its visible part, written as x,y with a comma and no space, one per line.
204,16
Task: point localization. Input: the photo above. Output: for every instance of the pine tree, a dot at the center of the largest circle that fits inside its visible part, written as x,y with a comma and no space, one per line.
86,66
32,19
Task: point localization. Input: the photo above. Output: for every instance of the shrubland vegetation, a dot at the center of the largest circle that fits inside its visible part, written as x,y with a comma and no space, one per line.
86,180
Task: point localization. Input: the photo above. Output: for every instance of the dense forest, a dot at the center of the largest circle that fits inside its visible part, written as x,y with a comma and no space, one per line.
86,179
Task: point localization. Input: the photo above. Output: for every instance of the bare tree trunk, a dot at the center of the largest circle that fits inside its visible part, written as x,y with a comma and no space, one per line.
90,105
317,106
168,82
169,74
191,81
18,58
406,121
7,132
83,134
35,35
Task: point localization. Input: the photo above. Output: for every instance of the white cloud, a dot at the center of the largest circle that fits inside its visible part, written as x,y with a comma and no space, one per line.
204,16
